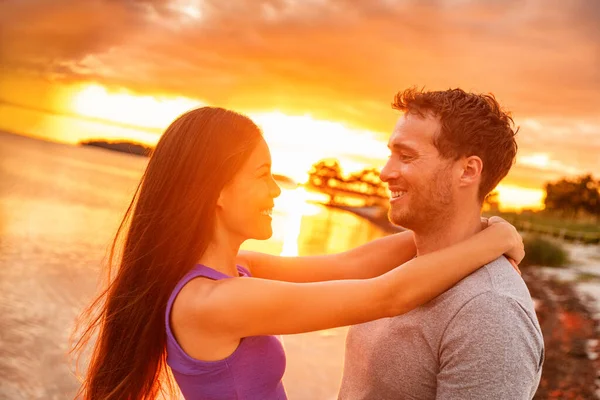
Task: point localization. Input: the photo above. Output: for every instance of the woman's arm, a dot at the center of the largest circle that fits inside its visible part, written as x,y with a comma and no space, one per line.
367,261
241,307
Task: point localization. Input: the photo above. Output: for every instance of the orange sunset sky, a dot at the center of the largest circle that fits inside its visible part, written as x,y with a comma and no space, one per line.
317,75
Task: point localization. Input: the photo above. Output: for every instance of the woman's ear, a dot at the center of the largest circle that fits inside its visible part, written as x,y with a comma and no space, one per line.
221,200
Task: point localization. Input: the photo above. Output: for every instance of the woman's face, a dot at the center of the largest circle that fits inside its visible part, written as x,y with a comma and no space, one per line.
245,204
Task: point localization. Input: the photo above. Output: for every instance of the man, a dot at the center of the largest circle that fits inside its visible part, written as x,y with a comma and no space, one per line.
481,339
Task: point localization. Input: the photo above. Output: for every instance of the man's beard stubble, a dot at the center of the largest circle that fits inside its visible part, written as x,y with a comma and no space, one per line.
427,208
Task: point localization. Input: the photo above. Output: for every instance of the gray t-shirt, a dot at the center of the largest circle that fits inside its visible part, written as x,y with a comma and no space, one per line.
479,340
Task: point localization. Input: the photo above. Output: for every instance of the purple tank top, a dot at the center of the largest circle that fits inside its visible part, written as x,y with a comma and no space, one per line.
252,372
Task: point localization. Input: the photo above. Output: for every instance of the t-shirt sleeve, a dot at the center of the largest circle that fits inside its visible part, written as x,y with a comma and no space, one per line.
491,349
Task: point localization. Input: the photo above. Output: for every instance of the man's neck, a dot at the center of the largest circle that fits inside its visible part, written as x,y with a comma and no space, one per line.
452,230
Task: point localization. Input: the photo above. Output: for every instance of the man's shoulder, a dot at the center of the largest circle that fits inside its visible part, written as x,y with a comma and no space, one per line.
505,282
497,279
478,282
494,283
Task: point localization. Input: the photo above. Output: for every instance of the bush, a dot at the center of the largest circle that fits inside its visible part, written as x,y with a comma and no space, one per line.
544,252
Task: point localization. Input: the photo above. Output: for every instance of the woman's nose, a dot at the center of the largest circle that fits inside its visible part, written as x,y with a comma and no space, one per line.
275,190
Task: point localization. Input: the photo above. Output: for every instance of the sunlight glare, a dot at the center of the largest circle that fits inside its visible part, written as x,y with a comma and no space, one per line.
191,11
297,142
300,141
539,160
143,111
515,198
188,8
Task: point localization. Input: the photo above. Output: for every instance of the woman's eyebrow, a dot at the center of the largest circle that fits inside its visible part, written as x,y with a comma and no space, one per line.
267,164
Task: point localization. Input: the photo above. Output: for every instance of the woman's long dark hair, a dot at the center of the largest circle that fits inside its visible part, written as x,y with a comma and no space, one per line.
170,224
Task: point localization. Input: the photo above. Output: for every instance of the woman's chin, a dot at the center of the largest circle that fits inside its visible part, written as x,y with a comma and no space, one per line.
263,234
267,236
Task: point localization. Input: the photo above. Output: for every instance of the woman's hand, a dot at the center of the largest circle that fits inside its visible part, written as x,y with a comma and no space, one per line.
515,266
517,252
484,222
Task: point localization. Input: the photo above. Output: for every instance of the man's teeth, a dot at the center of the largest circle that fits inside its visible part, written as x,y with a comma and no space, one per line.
396,194
268,212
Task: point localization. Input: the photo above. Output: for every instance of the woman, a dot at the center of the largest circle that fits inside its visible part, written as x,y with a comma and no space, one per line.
179,298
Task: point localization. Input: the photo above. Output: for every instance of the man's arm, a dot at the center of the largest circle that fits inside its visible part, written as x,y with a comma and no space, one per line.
490,350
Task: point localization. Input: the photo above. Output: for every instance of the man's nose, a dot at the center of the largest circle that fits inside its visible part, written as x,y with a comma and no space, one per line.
388,173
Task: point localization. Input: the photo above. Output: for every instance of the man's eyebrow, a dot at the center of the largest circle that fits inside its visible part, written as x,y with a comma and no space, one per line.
401,146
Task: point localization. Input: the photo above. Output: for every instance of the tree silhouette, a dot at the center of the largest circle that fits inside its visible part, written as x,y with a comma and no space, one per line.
590,195
368,182
491,201
574,197
325,173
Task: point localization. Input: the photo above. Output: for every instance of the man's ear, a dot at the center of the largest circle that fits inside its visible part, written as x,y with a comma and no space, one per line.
472,168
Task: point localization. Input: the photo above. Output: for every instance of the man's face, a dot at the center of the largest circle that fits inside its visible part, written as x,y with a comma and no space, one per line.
420,180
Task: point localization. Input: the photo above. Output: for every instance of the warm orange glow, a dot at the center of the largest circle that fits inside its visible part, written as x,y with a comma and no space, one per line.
539,160
143,111
296,141
517,198
278,56
187,8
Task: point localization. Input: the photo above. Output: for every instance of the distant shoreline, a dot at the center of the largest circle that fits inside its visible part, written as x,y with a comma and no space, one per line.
145,151
371,214
122,147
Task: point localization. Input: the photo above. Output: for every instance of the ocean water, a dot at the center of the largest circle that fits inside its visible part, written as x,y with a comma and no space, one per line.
60,206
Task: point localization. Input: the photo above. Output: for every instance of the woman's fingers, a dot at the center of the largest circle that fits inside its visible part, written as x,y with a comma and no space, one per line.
515,266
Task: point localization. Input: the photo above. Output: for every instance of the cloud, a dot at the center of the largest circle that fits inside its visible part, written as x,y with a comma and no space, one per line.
550,148
357,53
336,59
35,33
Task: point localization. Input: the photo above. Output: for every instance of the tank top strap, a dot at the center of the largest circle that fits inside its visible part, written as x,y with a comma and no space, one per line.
200,270
243,271
176,354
